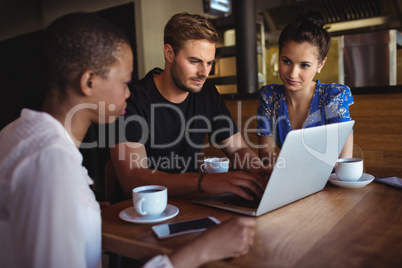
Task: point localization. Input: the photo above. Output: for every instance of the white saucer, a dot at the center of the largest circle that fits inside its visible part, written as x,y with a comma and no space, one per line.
130,215
363,181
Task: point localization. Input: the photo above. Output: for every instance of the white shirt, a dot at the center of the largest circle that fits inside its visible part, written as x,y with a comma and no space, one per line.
49,216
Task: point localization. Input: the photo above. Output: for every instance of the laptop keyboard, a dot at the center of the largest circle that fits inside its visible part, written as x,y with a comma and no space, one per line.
242,202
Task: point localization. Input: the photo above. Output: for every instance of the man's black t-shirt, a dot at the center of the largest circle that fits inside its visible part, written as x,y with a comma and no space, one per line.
173,134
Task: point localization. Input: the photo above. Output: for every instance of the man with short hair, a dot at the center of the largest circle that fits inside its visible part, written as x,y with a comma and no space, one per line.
170,112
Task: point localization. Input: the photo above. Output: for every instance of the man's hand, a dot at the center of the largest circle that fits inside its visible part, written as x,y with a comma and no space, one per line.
238,182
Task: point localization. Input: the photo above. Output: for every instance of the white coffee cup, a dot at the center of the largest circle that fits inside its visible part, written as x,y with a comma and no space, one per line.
215,165
150,200
349,169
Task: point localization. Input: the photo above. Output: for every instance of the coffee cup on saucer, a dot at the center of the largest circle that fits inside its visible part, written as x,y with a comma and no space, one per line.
349,169
215,165
150,200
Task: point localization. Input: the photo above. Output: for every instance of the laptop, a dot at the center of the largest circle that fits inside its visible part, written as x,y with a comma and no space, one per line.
303,167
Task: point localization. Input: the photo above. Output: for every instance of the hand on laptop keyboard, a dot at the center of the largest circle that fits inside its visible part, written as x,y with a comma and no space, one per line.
242,202
237,182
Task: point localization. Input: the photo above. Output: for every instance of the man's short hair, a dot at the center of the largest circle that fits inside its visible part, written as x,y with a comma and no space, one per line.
78,42
184,26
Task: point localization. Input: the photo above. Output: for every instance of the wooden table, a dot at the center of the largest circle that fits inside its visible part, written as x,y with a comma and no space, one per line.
336,227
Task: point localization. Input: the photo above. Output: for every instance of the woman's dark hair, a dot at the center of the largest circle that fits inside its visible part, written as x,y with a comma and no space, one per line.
308,27
76,43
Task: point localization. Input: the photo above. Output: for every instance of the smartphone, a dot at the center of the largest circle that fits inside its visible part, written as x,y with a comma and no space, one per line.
394,181
184,227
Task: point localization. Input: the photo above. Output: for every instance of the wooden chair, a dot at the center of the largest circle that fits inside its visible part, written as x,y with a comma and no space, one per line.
110,181
113,191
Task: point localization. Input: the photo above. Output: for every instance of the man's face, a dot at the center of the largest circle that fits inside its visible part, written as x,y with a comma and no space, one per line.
192,65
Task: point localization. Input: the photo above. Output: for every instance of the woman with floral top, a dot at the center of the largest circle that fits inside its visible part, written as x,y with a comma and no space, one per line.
301,102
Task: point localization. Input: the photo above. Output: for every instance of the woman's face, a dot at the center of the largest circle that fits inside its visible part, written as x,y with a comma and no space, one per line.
113,90
298,64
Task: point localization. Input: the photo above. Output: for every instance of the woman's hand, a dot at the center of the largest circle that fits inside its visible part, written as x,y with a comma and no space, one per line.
229,239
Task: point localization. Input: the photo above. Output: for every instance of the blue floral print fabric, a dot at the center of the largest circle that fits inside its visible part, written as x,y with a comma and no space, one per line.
330,104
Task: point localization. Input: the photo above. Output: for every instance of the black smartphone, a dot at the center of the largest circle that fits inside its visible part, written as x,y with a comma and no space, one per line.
184,227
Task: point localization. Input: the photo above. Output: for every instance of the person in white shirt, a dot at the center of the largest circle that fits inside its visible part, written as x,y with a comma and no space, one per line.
49,216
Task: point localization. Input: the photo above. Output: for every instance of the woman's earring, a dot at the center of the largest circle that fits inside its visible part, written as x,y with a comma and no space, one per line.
319,71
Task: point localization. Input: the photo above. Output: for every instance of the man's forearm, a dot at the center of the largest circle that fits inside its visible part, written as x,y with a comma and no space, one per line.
245,159
177,184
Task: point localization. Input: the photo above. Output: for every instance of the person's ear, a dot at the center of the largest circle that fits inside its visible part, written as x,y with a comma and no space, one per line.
168,53
321,65
87,83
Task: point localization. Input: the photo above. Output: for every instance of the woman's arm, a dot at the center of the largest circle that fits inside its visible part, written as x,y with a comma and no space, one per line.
44,220
347,151
267,150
